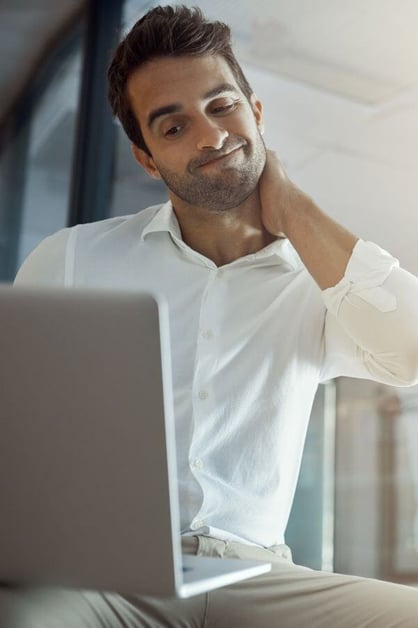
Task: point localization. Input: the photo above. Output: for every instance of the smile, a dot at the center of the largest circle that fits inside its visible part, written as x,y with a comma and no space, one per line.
221,157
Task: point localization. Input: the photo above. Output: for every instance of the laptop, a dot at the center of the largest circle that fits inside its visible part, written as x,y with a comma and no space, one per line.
88,490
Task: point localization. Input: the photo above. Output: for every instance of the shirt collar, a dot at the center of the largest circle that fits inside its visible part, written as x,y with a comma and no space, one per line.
165,220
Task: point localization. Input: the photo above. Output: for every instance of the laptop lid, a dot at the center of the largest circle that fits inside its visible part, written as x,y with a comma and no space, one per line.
87,476
88,485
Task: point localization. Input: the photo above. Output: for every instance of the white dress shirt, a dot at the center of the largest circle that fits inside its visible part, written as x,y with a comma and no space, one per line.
251,340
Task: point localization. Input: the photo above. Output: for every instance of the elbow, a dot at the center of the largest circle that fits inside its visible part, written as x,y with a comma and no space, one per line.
410,374
400,369
410,362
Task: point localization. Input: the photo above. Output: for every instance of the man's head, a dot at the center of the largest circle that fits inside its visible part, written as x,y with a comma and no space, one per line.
166,32
189,111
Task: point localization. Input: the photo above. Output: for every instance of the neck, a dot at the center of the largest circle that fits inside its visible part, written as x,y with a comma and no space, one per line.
226,235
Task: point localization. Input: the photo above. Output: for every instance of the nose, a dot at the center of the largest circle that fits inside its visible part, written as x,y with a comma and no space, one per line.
211,135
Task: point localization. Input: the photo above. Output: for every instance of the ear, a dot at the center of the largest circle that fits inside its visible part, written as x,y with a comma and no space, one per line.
257,107
146,161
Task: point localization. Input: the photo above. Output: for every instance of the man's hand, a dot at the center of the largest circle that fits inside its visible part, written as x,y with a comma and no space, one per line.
278,195
323,245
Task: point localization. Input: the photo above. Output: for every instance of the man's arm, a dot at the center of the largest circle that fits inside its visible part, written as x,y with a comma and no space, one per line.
373,302
322,244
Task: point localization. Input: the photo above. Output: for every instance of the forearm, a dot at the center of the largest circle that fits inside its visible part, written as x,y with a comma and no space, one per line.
323,245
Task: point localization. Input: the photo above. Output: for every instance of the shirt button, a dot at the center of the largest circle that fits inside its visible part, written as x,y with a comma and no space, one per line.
198,463
203,394
207,333
199,523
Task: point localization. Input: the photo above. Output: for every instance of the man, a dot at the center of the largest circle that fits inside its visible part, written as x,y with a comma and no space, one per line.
268,296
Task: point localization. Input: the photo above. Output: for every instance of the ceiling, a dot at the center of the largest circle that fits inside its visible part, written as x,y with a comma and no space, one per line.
339,83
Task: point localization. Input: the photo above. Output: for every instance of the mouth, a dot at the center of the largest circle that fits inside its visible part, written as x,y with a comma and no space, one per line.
221,157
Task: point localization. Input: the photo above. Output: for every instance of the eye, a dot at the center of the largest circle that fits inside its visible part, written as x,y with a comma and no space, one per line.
173,130
225,108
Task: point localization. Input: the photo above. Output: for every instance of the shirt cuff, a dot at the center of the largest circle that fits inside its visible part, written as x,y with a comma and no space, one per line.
368,267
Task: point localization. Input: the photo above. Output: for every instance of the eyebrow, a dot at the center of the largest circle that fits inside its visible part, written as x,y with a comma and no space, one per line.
177,107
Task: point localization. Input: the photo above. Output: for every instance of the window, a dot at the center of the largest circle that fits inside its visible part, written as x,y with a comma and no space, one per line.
36,160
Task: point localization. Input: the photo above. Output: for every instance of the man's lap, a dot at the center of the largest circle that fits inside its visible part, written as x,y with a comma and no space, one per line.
290,596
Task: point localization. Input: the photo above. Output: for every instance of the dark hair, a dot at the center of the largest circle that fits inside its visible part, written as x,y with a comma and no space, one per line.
166,32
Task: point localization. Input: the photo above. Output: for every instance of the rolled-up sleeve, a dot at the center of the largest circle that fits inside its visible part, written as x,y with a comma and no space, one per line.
371,324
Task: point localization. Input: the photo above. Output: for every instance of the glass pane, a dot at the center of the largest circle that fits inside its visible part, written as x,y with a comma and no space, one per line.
50,154
12,177
377,481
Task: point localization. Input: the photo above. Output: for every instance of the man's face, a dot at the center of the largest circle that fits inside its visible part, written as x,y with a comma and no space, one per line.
203,134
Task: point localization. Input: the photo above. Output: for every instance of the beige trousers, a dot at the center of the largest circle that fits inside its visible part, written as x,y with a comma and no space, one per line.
289,596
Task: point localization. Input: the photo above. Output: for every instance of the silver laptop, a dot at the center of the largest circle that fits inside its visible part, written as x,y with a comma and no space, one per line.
88,490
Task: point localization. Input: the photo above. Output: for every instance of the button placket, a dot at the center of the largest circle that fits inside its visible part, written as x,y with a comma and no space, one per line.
204,348
203,400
